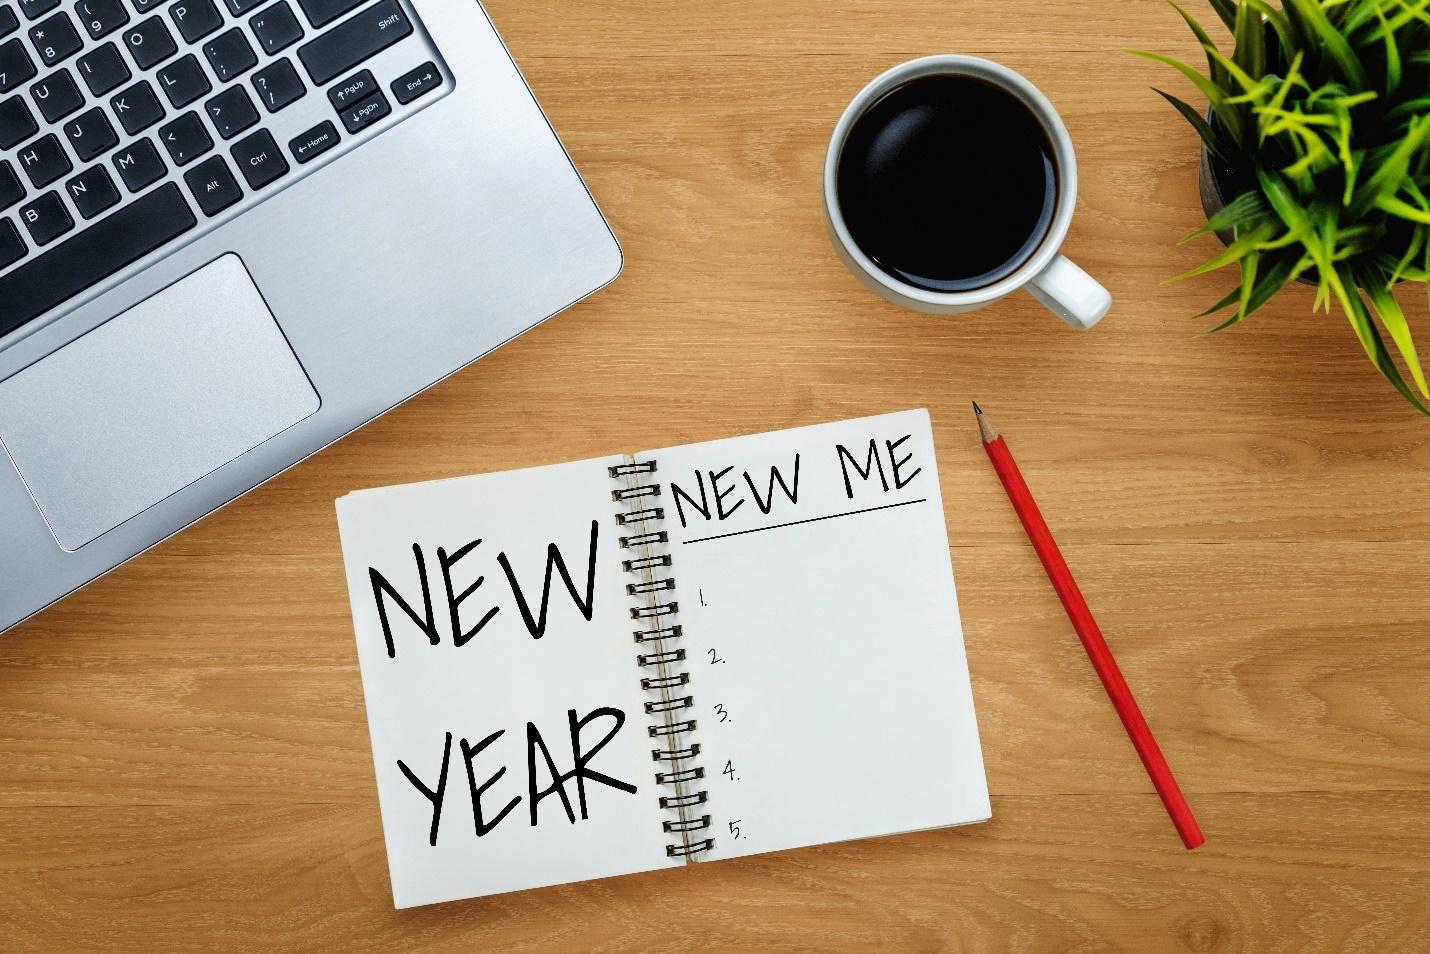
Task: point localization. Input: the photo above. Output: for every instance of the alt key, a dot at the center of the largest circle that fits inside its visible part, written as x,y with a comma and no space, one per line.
213,186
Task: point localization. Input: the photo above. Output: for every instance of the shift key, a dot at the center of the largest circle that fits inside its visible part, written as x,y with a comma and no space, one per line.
354,40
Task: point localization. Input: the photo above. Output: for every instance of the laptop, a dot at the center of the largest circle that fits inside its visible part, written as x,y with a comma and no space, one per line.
232,231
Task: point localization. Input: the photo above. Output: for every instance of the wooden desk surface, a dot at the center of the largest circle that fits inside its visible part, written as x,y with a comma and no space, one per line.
186,762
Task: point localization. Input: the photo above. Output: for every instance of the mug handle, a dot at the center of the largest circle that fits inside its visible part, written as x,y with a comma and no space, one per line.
1070,293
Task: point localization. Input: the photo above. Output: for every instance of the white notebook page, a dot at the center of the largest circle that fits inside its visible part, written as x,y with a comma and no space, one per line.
823,636
499,680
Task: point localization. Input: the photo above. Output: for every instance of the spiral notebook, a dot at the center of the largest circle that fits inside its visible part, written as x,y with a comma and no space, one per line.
675,656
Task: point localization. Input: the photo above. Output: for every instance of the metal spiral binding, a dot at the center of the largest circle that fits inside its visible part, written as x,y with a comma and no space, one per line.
654,606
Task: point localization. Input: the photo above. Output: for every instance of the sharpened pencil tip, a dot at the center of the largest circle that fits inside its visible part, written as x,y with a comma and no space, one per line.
976,408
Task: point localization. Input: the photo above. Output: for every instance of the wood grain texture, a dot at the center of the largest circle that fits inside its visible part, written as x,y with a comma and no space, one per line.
185,749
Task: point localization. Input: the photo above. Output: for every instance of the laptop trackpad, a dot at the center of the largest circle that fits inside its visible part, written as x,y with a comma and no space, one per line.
151,401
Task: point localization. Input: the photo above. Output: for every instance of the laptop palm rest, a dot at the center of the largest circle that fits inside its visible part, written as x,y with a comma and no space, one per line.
151,401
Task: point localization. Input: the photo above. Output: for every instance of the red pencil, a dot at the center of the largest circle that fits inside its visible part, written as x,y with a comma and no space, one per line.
1087,631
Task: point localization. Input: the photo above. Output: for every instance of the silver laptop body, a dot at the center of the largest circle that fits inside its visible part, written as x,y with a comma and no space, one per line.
395,207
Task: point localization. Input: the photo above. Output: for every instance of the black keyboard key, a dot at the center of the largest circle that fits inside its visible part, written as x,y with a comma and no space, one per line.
415,83
90,134
357,87
101,17
349,43
12,190
15,65
359,117
150,43
185,139
277,28
196,19
12,247
183,81
137,108
9,22
16,123
103,69
44,161
46,218
231,112
55,39
144,6
239,7
258,158
92,191
230,55
213,186
314,142
57,96
117,240
34,9
320,12
139,165
278,85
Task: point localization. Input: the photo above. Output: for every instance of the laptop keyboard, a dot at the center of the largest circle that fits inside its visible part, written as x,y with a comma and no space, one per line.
128,127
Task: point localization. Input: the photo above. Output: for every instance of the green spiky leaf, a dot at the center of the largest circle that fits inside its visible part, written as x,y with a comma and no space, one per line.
1314,17
1225,112
1247,207
1215,144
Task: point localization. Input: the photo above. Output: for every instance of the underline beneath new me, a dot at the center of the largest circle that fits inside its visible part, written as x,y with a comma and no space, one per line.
795,523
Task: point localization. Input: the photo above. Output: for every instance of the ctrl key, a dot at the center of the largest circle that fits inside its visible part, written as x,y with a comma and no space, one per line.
258,158
313,143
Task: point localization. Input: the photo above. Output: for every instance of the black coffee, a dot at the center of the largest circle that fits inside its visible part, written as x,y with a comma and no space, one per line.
947,183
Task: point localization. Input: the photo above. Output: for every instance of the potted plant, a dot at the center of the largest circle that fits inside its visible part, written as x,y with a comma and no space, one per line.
1316,159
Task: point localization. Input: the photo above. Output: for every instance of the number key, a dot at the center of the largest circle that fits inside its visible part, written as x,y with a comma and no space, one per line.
185,138
15,65
35,9
101,17
55,39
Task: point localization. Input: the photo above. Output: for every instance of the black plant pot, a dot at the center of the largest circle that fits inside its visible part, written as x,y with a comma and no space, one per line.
1209,187
1215,180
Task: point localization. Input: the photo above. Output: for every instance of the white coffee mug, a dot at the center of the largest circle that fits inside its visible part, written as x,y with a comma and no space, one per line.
1066,290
